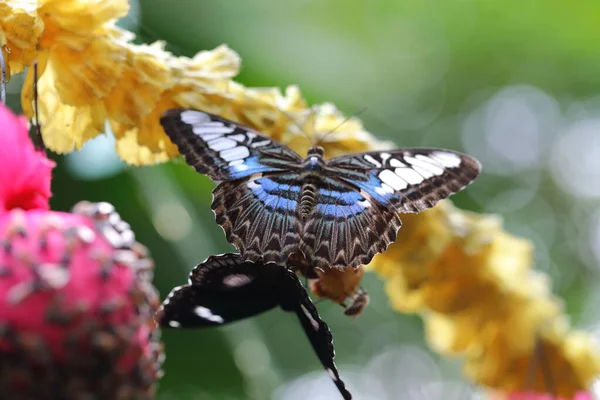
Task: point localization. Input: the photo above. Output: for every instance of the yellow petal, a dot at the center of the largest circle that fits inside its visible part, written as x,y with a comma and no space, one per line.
206,67
88,71
146,143
20,30
145,77
65,128
68,20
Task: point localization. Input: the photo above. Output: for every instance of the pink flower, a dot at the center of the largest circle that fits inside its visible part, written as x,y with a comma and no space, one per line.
76,299
541,396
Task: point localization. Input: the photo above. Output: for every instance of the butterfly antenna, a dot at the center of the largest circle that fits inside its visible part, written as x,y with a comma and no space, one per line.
295,123
357,113
38,130
3,82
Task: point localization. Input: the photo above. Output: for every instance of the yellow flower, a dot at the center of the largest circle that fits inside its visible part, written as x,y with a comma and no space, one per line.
140,137
90,68
20,30
475,289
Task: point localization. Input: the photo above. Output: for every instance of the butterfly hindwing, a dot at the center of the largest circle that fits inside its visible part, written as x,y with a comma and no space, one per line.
295,298
226,288
222,149
259,215
221,290
408,180
346,226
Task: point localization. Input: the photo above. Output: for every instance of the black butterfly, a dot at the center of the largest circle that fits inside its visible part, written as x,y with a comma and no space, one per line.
341,212
225,289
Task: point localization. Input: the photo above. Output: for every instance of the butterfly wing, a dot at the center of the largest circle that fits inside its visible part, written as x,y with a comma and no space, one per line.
258,215
223,149
407,180
295,298
221,290
346,226
226,288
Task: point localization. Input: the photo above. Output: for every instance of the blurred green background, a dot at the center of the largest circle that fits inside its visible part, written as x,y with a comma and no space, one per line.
514,83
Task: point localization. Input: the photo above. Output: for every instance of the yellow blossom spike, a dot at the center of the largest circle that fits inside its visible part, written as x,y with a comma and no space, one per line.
473,284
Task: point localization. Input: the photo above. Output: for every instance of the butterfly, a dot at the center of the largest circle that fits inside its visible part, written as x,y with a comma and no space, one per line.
225,288
272,203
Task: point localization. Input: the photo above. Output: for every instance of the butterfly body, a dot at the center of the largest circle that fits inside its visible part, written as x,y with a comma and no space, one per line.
274,204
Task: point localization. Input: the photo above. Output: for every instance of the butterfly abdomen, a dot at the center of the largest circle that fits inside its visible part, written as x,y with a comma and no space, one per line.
308,200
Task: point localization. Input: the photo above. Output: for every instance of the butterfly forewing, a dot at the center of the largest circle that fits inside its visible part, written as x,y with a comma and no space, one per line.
408,180
222,149
259,215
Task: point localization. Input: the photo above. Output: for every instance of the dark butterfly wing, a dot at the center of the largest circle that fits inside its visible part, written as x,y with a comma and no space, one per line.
221,290
337,225
226,288
407,180
258,215
346,226
222,149
295,298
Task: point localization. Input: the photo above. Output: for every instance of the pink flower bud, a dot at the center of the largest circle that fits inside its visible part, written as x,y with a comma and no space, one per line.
76,298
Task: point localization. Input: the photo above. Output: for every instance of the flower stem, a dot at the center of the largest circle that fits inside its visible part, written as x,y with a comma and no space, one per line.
3,81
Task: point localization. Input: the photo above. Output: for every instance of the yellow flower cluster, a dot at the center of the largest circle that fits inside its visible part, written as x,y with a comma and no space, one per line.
471,281
92,74
474,286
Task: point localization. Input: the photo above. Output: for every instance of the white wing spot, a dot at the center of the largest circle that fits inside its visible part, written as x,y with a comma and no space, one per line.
211,136
384,156
240,167
384,189
237,153
423,172
204,130
332,374
392,179
238,138
174,324
221,144
314,323
236,280
409,175
448,160
371,160
426,163
394,162
194,117
364,204
260,144
205,313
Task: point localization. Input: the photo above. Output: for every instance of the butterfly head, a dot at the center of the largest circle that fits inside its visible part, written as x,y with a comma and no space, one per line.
317,151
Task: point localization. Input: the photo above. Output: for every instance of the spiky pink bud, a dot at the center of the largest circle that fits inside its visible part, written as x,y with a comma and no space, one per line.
76,298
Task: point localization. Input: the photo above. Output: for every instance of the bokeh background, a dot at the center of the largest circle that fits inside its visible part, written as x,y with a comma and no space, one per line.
513,83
